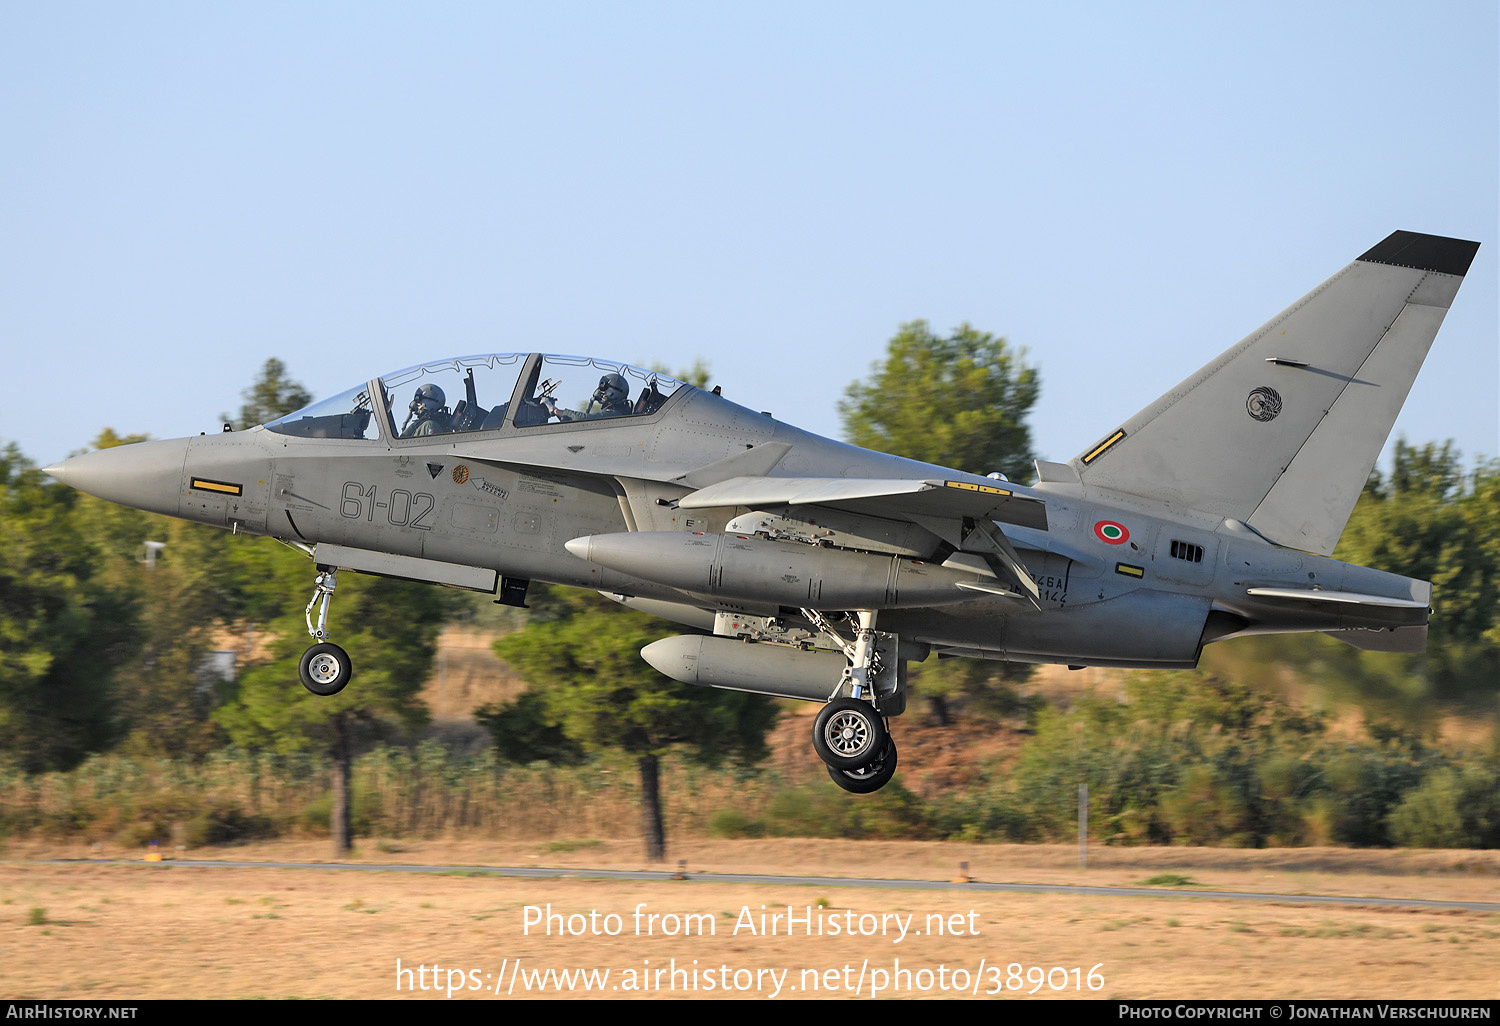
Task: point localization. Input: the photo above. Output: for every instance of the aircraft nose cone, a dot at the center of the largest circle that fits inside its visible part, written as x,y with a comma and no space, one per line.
146,475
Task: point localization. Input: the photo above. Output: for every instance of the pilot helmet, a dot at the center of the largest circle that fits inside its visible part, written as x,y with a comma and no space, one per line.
429,399
612,388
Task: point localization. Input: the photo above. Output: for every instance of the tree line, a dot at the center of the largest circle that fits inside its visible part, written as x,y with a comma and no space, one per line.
103,645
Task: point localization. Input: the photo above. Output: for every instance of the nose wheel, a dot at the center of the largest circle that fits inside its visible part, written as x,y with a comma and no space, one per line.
325,668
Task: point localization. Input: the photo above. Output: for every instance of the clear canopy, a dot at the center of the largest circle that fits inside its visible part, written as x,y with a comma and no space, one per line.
346,415
474,393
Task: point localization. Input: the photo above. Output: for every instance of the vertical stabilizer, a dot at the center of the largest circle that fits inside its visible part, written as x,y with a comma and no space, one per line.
1281,431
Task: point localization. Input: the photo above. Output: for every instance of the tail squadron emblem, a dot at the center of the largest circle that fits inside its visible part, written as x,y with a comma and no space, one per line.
1263,404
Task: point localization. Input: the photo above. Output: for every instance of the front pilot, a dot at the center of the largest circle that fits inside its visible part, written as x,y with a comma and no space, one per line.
432,416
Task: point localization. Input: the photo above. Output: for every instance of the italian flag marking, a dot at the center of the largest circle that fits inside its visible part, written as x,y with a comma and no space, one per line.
1111,533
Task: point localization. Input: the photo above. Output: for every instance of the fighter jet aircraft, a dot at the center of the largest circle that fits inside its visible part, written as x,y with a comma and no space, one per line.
816,570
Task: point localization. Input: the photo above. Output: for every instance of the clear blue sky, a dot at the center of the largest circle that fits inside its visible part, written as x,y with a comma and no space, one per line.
1123,189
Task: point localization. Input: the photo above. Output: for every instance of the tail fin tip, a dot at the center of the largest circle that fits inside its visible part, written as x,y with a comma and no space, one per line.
1423,252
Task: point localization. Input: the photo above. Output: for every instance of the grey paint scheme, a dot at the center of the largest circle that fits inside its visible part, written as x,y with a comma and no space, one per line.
1339,363
1227,501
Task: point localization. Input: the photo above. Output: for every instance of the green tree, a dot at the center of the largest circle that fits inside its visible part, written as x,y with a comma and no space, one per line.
524,732
1453,808
698,375
982,686
178,577
584,661
959,401
188,594
62,629
272,395
389,627
1432,521
1187,758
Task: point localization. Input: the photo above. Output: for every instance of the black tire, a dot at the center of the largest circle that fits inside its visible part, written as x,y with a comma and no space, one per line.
870,778
848,733
325,669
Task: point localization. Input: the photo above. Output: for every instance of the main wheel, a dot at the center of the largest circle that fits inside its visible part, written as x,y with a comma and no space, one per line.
325,669
868,778
848,733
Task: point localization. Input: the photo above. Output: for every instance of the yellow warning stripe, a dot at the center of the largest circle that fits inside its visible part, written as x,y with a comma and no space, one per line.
1099,449
1130,571
966,486
204,485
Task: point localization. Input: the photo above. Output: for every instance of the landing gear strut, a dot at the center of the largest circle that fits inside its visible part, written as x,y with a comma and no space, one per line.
325,668
850,734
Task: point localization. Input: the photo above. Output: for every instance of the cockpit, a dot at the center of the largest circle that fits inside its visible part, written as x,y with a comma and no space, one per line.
501,391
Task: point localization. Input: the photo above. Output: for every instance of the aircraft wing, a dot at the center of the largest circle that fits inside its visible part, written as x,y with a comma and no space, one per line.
893,499
1397,636
960,512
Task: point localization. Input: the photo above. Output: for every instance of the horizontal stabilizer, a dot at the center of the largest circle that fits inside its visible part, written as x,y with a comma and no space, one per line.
1394,639
1350,598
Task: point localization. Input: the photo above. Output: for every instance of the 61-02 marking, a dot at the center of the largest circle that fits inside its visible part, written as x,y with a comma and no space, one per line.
402,509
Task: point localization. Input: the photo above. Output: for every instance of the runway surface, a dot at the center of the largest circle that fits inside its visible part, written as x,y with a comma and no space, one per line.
540,872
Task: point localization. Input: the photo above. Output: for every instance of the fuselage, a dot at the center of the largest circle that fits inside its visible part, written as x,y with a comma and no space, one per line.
1120,580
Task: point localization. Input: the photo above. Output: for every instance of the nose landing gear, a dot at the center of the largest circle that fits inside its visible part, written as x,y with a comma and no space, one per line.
325,668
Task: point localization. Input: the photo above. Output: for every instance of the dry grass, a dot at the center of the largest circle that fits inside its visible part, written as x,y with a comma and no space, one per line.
143,930
467,674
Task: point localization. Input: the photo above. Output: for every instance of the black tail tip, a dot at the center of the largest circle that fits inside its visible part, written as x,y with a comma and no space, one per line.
1424,252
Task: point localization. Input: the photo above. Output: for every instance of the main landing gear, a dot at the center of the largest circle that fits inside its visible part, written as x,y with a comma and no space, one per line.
325,668
869,777
850,733
851,738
